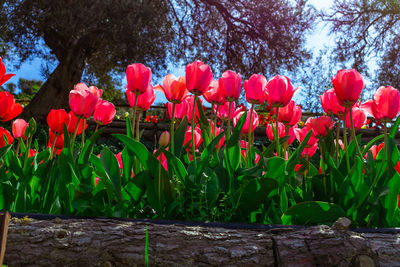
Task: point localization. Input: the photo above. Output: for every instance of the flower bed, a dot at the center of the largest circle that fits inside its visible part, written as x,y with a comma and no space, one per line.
208,169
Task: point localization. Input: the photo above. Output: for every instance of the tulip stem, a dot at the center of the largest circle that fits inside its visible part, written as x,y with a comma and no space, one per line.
137,126
193,144
17,150
75,133
134,116
83,134
337,142
228,131
212,119
277,132
353,133
172,130
215,120
345,140
53,145
97,128
321,150
249,159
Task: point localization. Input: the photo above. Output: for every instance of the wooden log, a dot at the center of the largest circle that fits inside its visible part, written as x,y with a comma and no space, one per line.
4,220
108,242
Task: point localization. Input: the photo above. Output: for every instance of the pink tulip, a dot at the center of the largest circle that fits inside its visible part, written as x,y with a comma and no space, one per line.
144,100
279,91
197,137
230,85
254,121
181,110
290,115
309,151
375,150
281,131
198,77
359,118
301,134
8,108
245,146
95,91
320,124
223,111
82,101
385,104
18,128
71,124
4,132
174,88
330,103
213,95
348,85
255,89
138,77
104,112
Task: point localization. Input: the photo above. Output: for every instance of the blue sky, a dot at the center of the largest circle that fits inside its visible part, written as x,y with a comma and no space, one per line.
319,39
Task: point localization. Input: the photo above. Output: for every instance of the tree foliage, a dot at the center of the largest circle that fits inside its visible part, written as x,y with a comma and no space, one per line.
365,29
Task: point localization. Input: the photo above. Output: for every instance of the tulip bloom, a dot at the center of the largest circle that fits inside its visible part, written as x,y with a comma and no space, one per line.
214,94
181,109
95,91
254,121
198,77
281,131
309,151
197,137
348,85
4,132
301,134
230,85
255,89
58,143
290,115
138,78
223,111
279,91
56,120
375,150
144,100
71,123
320,124
330,103
104,112
385,104
3,76
8,108
173,88
18,128
82,101
244,147
359,118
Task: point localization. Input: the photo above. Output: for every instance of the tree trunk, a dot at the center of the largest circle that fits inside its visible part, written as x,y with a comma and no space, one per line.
107,242
54,93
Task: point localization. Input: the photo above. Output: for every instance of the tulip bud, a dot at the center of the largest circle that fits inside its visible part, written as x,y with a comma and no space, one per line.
164,139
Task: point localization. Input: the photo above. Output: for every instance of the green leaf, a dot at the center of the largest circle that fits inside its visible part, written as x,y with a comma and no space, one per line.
232,149
395,127
312,212
293,160
177,165
128,127
87,150
180,136
4,150
112,170
371,143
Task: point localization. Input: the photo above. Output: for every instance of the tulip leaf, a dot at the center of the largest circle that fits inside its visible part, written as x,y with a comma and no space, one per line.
395,127
312,212
205,126
372,142
391,200
88,148
294,159
128,127
180,136
4,150
112,170
177,165
208,156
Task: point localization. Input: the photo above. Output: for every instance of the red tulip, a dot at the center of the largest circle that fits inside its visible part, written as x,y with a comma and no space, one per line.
223,111
104,112
359,118
348,85
144,100
174,88
3,76
71,123
214,94
255,89
254,121
281,131
181,110
279,91
230,85
385,104
301,134
9,138
320,124
190,100
56,120
290,115
82,101
8,108
198,77
245,146
138,77
309,151
18,128
59,143
330,103
197,137
375,150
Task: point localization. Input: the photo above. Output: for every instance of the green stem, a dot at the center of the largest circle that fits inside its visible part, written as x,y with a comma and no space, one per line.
278,152
193,144
215,119
345,141
323,165
353,133
83,134
249,160
134,116
75,133
172,130
97,128
17,150
53,149
337,143
228,131
137,126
